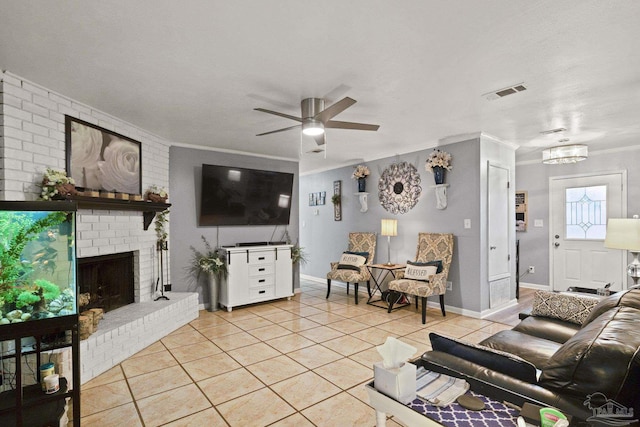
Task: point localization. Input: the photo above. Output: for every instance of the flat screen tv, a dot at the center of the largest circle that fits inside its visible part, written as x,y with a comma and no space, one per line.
239,196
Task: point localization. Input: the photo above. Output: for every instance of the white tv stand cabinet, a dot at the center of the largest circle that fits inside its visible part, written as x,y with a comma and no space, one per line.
256,274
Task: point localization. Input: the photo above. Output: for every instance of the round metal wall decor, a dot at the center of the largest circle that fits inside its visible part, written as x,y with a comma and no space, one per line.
399,188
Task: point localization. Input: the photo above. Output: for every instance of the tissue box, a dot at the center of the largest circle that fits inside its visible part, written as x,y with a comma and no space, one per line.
397,383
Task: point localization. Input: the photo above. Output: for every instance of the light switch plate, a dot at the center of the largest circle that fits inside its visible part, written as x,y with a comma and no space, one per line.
538,223
467,223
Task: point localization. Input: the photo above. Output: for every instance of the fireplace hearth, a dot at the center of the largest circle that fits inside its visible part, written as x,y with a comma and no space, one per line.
109,279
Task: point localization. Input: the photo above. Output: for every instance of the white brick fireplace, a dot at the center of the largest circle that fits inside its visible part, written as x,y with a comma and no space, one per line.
32,139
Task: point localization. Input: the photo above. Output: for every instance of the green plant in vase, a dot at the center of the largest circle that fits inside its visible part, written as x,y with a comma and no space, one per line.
211,263
298,255
161,231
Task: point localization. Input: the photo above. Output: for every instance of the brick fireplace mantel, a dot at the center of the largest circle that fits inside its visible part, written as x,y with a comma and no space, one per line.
149,209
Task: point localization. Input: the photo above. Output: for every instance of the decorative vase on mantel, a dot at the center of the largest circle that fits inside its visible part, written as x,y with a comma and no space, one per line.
362,185
214,289
438,174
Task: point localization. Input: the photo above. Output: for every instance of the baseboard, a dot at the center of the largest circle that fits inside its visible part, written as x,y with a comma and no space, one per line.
535,286
313,278
334,283
491,311
451,309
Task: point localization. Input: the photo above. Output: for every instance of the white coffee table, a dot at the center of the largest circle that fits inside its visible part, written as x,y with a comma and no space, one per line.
385,405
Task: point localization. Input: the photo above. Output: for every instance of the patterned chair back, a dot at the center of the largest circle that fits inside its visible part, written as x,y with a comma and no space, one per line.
363,242
435,246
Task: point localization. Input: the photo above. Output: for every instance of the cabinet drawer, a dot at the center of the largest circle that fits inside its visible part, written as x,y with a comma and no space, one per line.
262,293
262,257
261,270
261,281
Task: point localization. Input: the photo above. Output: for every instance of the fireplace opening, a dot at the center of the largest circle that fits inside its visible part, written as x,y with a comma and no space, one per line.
109,279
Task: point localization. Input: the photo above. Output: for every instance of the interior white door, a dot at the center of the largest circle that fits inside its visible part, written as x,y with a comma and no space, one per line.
498,223
580,207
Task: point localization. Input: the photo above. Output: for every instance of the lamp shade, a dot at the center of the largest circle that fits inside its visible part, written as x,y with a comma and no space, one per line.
623,233
565,154
389,227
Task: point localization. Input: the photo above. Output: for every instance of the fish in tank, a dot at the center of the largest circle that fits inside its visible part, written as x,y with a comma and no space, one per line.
37,261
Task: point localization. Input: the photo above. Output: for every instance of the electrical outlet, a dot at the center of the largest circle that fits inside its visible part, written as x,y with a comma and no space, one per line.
532,269
449,286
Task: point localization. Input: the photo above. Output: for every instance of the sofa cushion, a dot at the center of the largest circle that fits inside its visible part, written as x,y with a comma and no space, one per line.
532,349
492,359
550,329
629,298
602,357
567,307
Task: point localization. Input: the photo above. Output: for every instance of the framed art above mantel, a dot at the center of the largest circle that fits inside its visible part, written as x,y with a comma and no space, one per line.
100,159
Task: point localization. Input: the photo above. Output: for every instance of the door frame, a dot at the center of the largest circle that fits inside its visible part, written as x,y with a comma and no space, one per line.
510,219
623,173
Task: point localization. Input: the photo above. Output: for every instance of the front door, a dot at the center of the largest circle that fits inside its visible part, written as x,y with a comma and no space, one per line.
580,207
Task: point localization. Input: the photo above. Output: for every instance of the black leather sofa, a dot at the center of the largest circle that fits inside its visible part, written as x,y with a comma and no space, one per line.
552,362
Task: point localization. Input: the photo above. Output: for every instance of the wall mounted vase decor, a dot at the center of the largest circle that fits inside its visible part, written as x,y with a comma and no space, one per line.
439,174
362,185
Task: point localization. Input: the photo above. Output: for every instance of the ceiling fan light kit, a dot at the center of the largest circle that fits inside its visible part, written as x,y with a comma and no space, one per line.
312,127
315,118
565,154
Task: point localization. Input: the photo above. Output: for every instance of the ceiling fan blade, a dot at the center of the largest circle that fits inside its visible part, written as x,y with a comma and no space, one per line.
320,139
287,116
335,109
341,90
280,130
334,124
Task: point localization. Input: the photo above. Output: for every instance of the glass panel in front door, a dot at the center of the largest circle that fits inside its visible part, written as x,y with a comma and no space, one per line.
586,212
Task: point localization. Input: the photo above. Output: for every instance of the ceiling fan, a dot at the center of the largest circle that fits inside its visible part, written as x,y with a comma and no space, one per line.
315,118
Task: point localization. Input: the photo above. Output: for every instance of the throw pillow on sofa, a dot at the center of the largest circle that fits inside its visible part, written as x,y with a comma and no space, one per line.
569,308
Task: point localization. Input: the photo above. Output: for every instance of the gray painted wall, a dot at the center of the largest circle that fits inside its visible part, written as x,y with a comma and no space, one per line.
534,178
325,239
185,168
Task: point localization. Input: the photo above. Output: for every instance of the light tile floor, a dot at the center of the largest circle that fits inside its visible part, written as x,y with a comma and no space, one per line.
302,362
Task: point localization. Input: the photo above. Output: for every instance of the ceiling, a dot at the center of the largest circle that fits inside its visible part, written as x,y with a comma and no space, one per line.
192,71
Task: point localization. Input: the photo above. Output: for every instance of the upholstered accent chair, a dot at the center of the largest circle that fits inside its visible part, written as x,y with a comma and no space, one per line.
358,242
431,247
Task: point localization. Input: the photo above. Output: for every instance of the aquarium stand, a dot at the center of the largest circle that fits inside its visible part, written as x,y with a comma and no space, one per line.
28,405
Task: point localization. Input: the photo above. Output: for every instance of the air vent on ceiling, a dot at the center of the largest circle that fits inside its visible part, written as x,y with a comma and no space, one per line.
501,93
552,131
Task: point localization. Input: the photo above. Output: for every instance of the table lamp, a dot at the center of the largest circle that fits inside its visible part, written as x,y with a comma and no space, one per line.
624,233
389,228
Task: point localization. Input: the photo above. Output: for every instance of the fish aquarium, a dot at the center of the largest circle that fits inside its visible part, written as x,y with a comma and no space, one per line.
37,261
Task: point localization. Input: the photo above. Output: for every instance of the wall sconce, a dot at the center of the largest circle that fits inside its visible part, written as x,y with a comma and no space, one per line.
389,228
